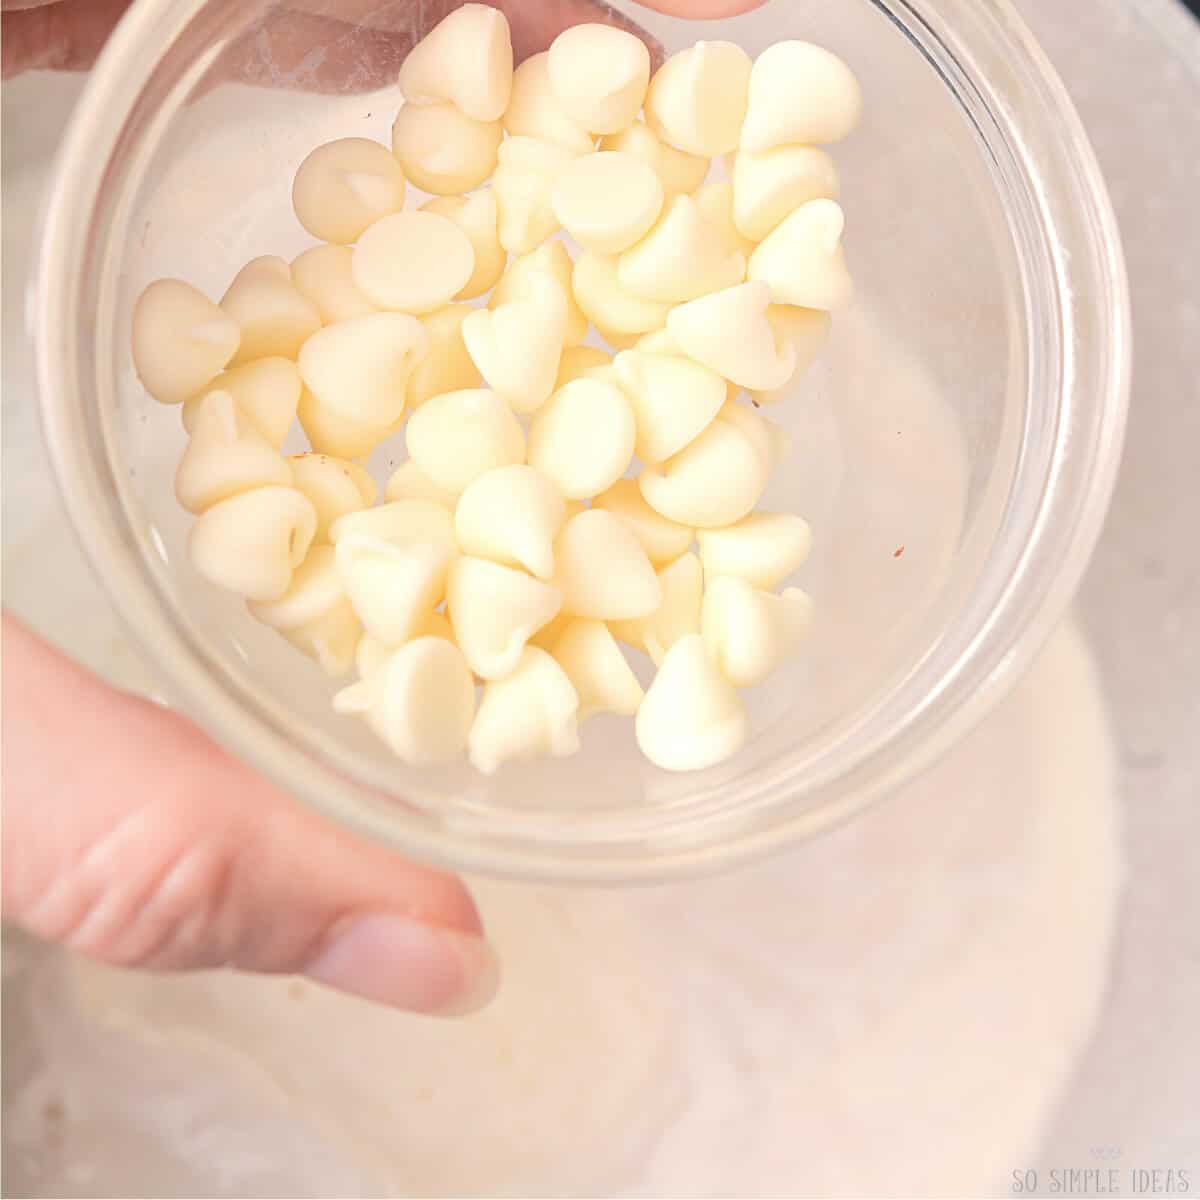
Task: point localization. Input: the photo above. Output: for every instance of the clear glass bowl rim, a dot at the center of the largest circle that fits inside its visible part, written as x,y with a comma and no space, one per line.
1080,339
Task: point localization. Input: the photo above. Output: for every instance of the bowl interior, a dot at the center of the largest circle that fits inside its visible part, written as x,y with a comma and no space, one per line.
906,435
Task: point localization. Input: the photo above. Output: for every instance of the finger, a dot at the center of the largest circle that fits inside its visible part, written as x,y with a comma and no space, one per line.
314,45
535,26
702,10
64,36
130,837
359,45
287,48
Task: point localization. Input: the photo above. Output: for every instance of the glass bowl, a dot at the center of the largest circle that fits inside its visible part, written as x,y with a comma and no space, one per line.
955,449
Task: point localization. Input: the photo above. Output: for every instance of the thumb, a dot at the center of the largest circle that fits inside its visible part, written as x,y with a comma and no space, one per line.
130,837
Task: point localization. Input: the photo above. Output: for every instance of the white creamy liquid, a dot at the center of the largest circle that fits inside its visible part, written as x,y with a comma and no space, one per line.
893,1009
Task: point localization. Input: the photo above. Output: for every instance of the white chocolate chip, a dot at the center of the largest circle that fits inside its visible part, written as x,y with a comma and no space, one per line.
605,373
806,330
749,632
803,261
603,571
401,522
715,202
495,610
420,700
534,112
511,515
547,637
697,98
681,173
524,187
181,340
251,543
324,276
478,216
225,455
442,150
455,438
521,560
331,639
266,391
409,482
360,369
393,561
691,717
674,400
678,172
763,548
393,588
330,432
438,626
660,341
335,486
614,310
466,59
267,268
316,589
552,259
448,367
603,680
729,332
530,714
716,481
769,186
413,262
599,75
274,318
607,201
517,346
800,94
583,438
315,615
770,442
680,259
344,186
369,655
577,361
663,541
682,583
628,632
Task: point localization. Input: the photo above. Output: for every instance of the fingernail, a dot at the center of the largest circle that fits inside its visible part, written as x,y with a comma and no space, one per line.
397,961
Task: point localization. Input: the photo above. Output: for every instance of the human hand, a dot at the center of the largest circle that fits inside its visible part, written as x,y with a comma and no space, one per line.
128,835
69,34
131,837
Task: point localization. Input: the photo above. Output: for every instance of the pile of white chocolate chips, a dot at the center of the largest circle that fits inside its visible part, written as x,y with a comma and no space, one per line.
553,491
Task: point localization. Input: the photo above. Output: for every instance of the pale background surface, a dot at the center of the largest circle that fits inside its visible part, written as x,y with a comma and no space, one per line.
1133,67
